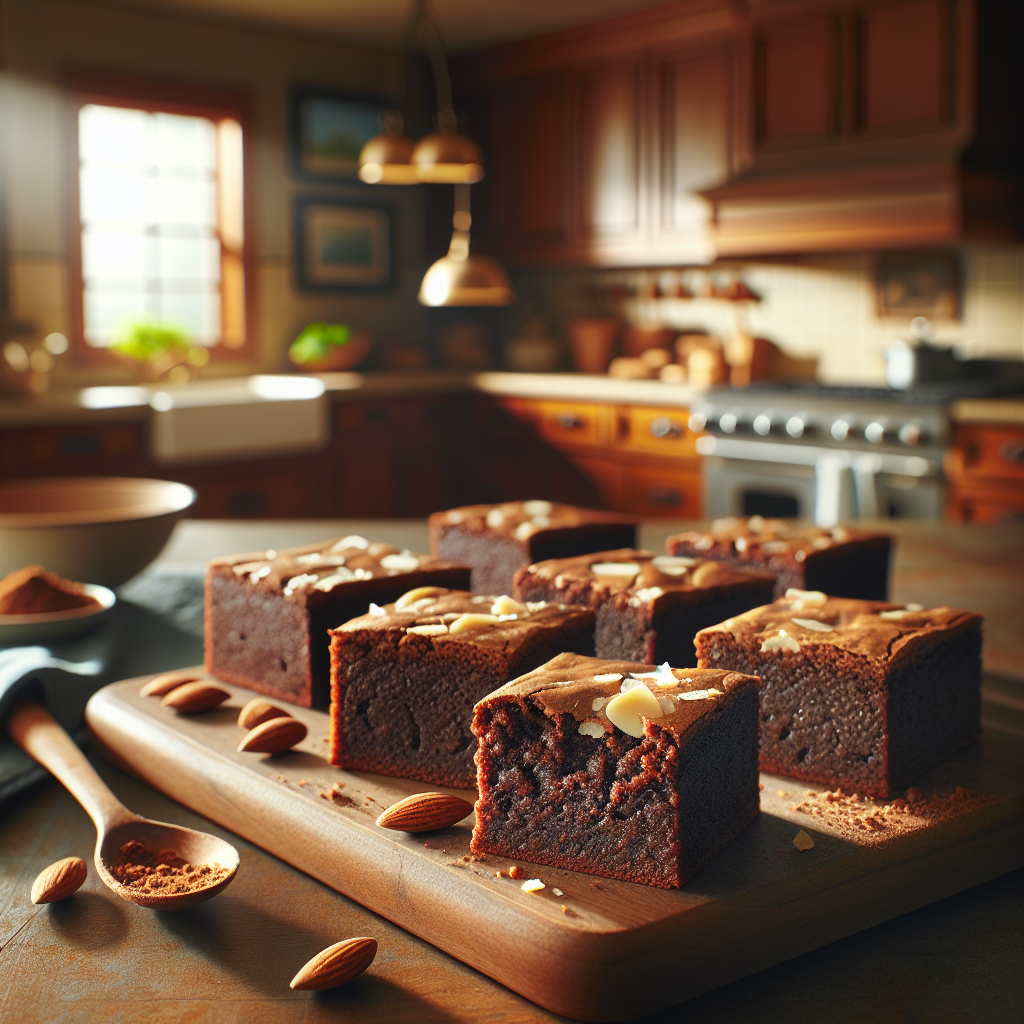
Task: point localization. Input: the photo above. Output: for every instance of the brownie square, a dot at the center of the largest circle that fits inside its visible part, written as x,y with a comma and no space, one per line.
496,540
649,607
617,769
404,678
858,695
267,614
841,561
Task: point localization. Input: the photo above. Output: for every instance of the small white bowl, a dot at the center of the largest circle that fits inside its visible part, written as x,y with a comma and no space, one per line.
43,627
91,529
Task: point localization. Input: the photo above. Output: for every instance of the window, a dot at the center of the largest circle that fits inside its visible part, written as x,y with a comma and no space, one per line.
161,201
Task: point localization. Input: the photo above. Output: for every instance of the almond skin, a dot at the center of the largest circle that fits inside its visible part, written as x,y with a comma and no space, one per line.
59,880
273,737
336,964
192,697
160,685
425,812
258,711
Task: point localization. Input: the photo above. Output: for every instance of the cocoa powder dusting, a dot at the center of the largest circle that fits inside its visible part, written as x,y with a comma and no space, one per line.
163,872
870,822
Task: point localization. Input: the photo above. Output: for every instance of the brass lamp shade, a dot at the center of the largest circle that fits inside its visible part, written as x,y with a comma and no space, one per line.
387,160
448,158
469,281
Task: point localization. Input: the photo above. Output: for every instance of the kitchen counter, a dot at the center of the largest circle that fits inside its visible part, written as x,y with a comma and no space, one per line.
131,403
96,958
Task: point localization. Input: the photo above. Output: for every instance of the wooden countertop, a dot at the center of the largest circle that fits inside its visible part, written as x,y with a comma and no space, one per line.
96,958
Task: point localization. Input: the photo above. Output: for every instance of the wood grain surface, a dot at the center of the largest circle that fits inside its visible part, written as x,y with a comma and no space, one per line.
622,950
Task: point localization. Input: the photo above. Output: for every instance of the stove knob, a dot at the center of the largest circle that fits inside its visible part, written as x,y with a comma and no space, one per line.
728,423
795,426
763,424
841,430
911,433
875,432
697,422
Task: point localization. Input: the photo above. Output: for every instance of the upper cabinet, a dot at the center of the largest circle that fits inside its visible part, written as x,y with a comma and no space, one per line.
709,128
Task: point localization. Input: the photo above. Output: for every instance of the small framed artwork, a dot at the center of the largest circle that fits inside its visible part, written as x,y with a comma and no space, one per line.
343,245
328,131
913,284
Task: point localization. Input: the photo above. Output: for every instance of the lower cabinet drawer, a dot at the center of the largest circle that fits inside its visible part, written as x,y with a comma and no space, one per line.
653,491
252,491
985,505
663,431
575,423
102,449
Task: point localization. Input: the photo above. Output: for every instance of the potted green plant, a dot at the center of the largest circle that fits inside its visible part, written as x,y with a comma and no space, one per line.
164,348
323,347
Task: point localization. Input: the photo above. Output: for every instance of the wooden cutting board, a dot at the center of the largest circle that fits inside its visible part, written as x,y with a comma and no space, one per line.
617,950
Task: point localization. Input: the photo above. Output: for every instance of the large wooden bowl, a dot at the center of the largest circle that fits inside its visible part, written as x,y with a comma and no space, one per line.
101,530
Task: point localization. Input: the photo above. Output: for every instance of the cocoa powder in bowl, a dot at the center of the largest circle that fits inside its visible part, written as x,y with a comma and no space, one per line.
163,872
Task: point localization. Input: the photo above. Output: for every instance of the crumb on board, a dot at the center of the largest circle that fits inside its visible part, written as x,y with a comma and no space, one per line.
558,892
781,792
301,782
516,872
871,822
802,841
568,912
532,885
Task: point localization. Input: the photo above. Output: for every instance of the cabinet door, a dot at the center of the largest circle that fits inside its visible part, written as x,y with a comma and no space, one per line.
797,83
662,491
905,73
697,123
607,168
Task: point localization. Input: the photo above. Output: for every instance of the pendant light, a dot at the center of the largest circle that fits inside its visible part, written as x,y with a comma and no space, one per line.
387,158
462,279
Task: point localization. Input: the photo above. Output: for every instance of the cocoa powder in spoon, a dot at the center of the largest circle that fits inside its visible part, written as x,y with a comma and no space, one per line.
163,872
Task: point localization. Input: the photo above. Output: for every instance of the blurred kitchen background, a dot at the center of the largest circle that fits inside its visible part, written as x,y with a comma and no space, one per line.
761,257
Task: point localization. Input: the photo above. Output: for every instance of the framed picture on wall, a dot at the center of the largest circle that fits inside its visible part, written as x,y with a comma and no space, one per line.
328,130
910,284
343,245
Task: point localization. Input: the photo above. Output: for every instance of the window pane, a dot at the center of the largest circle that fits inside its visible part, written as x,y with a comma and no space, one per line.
186,145
113,195
195,260
106,312
113,254
113,135
187,202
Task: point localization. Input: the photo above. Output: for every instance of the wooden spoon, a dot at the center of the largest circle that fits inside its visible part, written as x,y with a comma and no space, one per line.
34,730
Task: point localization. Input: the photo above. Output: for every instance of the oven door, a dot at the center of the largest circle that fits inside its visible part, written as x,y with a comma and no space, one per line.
808,482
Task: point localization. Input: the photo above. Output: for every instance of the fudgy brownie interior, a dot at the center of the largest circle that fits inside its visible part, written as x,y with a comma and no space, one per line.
561,785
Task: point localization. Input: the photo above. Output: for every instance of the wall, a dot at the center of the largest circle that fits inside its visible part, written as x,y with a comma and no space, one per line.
815,306
42,38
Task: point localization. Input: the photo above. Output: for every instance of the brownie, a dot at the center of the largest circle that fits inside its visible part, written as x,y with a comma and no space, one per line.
858,695
841,561
267,614
496,540
616,768
404,678
649,607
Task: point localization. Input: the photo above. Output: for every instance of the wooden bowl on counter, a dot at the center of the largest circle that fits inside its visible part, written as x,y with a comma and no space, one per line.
102,530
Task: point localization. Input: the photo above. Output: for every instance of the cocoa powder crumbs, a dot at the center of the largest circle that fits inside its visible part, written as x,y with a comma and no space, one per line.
870,822
516,872
163,872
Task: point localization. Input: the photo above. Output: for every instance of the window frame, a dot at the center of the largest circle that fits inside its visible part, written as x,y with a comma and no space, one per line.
156,96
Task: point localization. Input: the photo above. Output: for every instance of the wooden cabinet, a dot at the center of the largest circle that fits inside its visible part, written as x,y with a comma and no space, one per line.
115,449
985,469
661,490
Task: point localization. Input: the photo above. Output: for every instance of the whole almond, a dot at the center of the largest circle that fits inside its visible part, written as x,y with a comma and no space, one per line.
164,683
59,880
273,737
189,698
425,812
336,964
258,711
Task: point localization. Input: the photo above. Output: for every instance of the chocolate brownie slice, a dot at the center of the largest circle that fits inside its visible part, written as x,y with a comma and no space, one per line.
267,614
617,769
404,678
496,540
649,607
860,695
841,561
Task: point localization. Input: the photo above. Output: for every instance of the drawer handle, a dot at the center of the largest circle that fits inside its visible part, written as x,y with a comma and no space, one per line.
664,427
666,496
570,421
1012,453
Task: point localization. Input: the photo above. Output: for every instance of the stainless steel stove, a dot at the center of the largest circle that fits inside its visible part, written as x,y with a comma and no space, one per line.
830,454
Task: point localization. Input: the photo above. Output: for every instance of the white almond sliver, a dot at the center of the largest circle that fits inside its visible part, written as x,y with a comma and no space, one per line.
630,684
615,568
524,531
405,562
820,627
532,885
417,594
594,729
782,642
624,710
375,609
666,705
506,606
598,703
537,508
608,677
495,518
913,607
471,620
667,563
352,541
808,597
714,693
431,629
695,695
